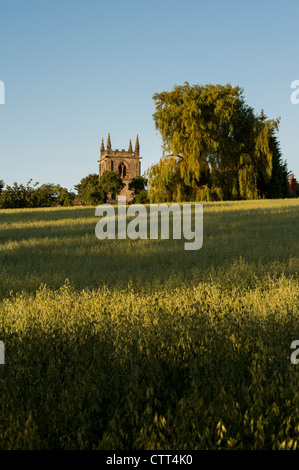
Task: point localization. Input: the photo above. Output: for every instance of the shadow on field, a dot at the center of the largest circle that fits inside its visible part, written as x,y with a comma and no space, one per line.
100,390
77,391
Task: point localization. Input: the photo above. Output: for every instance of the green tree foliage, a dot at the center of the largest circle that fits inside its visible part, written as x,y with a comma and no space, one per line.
111,182
89,190
19,196
66,197
138,185
214,146
278,185
1,186
49,195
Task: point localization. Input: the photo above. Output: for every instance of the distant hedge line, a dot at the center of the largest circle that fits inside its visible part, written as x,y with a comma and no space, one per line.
19,196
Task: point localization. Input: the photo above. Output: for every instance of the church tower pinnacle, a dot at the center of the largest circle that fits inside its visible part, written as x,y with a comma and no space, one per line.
108,143
137,147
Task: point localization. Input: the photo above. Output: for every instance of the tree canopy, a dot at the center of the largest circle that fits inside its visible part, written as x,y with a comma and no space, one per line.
89,190
111,182
93,190
214,146
19,196
138,185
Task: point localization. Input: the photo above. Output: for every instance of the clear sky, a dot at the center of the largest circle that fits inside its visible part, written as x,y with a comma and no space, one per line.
75,70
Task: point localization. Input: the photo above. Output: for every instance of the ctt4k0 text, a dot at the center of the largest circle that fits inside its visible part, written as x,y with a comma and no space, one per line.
155,459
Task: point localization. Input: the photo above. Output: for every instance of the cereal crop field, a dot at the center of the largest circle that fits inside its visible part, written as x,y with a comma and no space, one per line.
139,344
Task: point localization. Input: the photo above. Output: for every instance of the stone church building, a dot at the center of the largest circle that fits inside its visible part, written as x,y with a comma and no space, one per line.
126,163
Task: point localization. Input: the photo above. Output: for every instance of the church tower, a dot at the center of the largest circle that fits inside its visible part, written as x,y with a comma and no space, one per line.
126,163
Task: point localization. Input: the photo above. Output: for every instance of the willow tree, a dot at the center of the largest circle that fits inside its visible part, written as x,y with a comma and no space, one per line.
214,146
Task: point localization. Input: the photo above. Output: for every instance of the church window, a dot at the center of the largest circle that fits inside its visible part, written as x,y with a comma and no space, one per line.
122,171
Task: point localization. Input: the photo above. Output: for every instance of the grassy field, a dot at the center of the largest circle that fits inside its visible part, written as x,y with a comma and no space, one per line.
142,345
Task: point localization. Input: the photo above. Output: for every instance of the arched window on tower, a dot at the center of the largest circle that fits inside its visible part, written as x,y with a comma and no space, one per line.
122,171
111,165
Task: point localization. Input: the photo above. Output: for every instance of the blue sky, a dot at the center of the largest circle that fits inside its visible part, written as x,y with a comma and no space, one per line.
75,70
